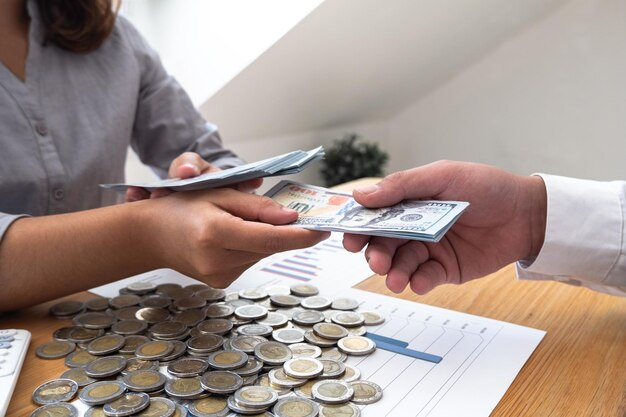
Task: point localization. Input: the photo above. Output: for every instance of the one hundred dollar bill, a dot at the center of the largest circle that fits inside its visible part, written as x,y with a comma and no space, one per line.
324,209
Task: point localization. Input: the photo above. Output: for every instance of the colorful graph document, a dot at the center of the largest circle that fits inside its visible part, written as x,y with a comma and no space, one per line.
462,366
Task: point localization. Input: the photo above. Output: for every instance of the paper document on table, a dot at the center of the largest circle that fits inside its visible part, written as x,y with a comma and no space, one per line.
289,163
324,209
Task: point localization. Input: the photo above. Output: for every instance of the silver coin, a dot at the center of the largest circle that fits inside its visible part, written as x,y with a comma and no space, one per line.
272,353
79,376
305,350
316,303
264,381
253,294
55,349
132,342
104,345
279,378
334,353
348,319
356,345
357,331
152,315
221,382
330,331
125,313
190,317
82,335
186,367
124,300
67,308
366,392
97,304
154,349
209,407
189,303
303,368
332,391
61,334
246,343
256,397
129,327
332,369
106,366
343,410
304,290
215,326
372,318
217,311
240,409
57,390
144,380
211,294
251,312
345,304
205,343
155,301
79,358
316,340
308,317
102,392
285,300
179,350
183,388
227,359
288,336
168,329
56,410
136,364
162,407
255,330
141,287
94,412
274,319
252,367
351,374
295,407
128,404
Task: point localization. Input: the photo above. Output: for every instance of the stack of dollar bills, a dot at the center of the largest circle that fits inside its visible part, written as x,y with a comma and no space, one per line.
324,209
289,163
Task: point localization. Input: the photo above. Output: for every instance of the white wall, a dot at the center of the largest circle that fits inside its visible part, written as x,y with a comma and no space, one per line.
552,99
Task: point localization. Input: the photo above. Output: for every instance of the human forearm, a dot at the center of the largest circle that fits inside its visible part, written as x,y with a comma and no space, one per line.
50,256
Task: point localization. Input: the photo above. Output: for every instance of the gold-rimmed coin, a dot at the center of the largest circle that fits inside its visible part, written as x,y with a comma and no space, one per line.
79,359
129,327
55,349
55,391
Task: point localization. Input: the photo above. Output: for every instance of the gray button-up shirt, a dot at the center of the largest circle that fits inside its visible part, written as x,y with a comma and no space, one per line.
67,128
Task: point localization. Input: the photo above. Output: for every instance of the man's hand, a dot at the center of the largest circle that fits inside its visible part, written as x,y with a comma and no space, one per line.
504,223
187,165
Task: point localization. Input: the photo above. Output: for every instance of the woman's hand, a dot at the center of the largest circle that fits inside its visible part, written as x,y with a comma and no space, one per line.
187,165
505,222
217,234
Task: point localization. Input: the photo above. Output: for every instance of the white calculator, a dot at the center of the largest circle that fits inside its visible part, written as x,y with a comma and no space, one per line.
13,348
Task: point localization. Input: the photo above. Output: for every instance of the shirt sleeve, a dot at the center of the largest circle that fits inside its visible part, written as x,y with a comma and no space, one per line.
584,240
166,122
6,220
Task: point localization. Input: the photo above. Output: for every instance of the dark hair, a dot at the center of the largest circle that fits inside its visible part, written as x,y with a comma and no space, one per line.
79,26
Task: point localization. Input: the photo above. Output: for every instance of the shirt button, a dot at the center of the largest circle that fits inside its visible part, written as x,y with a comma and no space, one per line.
59,194
41,128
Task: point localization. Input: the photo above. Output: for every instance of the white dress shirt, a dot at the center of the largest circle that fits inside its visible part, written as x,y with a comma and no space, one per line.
585,241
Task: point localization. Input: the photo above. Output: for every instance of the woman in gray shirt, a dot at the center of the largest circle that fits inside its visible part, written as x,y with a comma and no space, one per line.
77,86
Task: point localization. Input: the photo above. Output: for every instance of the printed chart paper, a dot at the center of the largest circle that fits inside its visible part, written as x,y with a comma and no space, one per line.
480,357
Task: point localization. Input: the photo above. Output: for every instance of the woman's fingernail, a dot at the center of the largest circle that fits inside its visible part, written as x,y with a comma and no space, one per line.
288,210
368,189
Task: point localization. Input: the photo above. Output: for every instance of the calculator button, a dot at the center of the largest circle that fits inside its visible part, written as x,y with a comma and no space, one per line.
5,345
9,332
6,338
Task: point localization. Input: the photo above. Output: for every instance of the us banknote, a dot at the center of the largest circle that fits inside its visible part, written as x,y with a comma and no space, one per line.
324,209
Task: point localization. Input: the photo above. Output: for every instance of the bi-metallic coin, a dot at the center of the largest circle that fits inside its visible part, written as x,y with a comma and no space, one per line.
57,390
128,404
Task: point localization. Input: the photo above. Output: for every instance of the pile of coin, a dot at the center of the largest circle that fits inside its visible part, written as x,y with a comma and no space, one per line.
166,350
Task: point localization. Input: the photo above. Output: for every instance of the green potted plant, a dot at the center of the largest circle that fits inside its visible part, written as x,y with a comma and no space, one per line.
348,159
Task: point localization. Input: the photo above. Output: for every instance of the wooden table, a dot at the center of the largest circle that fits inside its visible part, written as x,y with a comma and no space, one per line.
579,369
